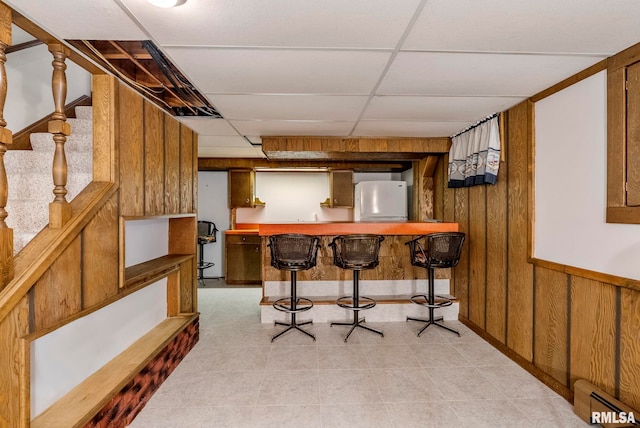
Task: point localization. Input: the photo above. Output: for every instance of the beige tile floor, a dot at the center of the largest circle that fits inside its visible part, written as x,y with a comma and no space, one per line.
235,377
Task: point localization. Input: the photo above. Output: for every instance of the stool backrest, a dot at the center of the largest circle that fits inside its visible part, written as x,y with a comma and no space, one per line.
437,250
207,229
291,251
356,252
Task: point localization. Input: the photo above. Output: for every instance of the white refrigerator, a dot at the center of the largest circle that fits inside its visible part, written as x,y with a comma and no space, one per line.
380,201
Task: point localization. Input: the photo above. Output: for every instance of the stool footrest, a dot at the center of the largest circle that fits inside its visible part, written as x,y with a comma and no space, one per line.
205,265
347,302
285,304
439,301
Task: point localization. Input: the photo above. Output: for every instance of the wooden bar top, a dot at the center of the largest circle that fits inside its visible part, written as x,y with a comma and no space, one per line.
353,228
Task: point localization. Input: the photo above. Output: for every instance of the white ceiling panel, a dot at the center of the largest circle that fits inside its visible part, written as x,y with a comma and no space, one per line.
278,23
436,108
303,67
467,74
273,71
229,152
577,26
273,127
373,128
289,107
209,126
226,141
81,19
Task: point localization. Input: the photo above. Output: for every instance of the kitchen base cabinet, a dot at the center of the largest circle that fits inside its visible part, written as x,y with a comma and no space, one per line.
243,258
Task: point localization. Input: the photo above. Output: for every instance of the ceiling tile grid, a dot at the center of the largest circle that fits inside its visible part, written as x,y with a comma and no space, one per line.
355,68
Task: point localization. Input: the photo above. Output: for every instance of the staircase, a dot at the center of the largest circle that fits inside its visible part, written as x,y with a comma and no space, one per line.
30,177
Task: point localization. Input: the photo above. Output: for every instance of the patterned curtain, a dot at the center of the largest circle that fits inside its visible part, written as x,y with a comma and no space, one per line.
474,156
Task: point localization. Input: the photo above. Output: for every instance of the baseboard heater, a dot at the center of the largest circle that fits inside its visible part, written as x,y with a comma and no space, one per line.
595,406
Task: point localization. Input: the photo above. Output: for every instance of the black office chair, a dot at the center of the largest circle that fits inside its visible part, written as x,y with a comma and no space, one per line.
356,253
293,252
206,235
435,251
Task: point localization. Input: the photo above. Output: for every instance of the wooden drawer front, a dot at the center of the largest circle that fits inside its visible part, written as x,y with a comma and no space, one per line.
243,239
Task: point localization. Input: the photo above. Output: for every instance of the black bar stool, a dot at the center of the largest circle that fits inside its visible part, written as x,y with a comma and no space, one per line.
206,235
293,252
356,253
435,251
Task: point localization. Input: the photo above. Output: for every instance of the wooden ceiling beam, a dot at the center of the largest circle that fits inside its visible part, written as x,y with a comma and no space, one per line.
223,164
328,148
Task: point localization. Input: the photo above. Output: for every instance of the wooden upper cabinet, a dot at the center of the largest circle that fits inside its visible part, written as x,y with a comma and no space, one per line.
623,137
242,189
340,189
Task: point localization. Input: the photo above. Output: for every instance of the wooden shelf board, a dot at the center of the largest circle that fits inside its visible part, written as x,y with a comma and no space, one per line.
153,268
80,405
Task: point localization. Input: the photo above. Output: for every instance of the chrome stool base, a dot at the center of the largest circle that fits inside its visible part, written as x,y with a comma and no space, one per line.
432,322
356,323
293,326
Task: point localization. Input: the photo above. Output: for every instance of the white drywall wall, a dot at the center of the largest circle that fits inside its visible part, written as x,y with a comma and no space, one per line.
65,357
570,184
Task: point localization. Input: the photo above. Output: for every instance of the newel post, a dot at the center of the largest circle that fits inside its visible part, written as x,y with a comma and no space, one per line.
59,209
6,234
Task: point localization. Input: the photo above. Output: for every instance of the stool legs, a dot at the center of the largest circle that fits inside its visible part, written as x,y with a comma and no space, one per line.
293,310
202,265
356,308
431,305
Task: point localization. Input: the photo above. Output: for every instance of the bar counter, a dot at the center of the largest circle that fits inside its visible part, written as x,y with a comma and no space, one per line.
391,283
354,227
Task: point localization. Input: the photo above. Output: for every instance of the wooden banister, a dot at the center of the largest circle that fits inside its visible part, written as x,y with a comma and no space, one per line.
59,209
6,234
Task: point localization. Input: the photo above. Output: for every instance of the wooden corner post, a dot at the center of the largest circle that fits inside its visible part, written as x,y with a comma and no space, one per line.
6,233
59,209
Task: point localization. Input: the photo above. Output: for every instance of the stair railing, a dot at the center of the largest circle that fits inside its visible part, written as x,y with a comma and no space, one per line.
6,233
59,209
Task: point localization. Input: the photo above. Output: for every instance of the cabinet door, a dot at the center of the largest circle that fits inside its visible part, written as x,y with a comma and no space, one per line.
341,183
243,260
241,188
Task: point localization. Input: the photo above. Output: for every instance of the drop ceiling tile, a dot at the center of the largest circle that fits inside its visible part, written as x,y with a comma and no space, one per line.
472,74
380,128
77,19
273,127
304,23
568,26
436,108
273,71
222,141
229,152
289,107
209,126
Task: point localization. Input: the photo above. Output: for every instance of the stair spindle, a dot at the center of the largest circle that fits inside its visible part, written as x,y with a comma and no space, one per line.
59,209
6,138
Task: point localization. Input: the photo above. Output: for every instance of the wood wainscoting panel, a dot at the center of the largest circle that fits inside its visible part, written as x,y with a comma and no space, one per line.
58,293
497,279
171,166
186,170
153,160
131,148
551,335
593,333
630,348
520,272
461,285
477,242
100,246
188,287
12,327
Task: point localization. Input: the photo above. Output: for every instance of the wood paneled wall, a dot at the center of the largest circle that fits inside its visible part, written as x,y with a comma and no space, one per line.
559,322
153,158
